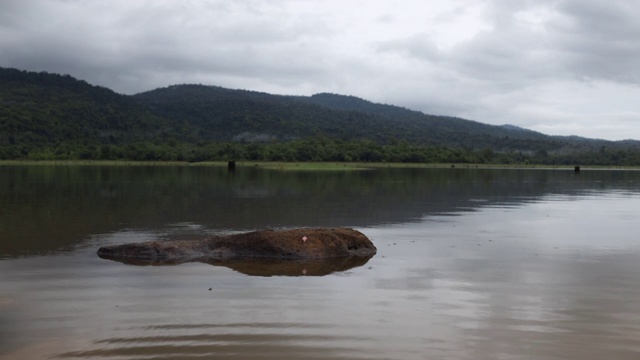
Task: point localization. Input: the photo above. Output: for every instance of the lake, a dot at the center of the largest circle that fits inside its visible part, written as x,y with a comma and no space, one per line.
471,264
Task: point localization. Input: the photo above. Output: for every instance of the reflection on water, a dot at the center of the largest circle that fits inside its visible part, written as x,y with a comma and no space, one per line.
67,204
471,264
268,266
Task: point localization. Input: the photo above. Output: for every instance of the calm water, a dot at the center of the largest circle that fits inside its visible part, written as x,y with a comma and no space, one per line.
471,264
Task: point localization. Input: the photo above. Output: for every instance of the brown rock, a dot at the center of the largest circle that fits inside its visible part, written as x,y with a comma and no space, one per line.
271,244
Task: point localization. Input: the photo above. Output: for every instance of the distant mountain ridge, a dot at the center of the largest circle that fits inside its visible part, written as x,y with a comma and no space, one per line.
39,109
226,114
51,110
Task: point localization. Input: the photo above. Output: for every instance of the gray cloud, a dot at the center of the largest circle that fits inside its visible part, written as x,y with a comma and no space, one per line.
557,66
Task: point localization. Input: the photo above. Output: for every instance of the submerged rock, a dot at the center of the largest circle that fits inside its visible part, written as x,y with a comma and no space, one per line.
294,244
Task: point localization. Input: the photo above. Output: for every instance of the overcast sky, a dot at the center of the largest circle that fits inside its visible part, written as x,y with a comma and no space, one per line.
561,67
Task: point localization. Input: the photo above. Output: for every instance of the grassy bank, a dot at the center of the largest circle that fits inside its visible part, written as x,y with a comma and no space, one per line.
310,166
299,166
106,163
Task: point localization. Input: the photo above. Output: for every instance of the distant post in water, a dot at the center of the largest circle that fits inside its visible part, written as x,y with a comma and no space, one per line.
576,169
231,166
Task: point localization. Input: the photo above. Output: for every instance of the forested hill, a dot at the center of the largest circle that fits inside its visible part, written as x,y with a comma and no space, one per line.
445,125
47,116
40,109
223,114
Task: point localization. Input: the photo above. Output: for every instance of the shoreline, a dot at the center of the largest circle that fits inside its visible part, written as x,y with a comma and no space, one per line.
306,166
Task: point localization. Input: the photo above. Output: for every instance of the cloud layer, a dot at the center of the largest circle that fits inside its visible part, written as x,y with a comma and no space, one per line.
566,67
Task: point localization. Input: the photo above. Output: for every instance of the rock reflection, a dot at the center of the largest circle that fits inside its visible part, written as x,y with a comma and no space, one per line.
268,266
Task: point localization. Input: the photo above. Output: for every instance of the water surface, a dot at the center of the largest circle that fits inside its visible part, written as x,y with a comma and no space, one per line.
471,264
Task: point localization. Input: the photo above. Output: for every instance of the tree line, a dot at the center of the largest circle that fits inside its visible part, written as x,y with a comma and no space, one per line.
53,117
316,149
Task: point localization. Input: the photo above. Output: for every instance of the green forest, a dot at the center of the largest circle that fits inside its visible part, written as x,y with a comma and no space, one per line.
57,117
317,150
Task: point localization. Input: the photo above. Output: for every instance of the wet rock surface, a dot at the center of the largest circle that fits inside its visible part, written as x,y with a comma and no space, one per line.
293,244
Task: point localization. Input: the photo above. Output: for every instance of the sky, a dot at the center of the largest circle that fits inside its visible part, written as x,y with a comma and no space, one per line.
560,67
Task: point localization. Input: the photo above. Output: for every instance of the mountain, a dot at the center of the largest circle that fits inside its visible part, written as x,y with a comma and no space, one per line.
444,130
46,115
41,109
222,115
